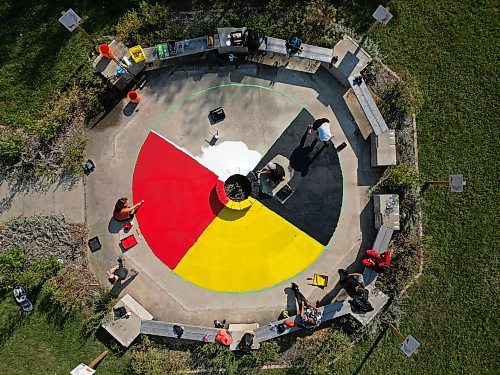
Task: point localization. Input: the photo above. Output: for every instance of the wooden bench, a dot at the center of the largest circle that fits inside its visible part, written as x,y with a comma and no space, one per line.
194,333
329,312
368,105
381,245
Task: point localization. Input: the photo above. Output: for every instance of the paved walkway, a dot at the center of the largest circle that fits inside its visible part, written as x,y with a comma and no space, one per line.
64,196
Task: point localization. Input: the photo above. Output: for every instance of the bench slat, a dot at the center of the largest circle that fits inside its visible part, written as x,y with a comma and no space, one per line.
369,107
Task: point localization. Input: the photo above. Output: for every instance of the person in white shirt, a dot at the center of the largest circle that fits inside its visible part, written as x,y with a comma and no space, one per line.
322,129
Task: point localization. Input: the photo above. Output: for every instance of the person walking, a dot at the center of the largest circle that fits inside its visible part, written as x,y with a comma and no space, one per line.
322,128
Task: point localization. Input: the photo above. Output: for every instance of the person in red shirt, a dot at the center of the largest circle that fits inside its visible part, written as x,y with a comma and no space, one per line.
377,262
123,211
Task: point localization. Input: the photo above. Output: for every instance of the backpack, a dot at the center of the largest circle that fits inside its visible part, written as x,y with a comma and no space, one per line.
360,304
223,337
246,342
293,44
253,38
178,330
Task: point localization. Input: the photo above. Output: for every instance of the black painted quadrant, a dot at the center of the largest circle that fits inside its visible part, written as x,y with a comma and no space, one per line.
314,207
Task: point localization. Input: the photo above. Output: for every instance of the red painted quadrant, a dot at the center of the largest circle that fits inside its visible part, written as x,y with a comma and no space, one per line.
180,198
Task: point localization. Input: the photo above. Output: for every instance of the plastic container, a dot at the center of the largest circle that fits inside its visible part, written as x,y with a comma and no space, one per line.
133,96
105,51
137,53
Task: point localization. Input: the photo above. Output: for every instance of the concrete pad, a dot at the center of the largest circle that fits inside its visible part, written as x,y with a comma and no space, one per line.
116,141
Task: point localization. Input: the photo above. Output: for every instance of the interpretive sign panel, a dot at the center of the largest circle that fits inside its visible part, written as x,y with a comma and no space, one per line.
382,15
70,20
409,345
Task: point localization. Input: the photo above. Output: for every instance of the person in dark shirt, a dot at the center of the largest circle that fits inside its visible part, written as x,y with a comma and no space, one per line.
309,314
353,283
119,272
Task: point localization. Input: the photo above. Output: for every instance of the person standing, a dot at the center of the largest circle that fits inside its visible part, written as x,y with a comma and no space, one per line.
322,128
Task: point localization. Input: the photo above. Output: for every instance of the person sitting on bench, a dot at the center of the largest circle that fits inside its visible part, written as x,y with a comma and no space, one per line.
353,283
309,314
378,262
275,171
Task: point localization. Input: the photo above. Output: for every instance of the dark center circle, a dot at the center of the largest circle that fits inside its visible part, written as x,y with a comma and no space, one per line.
238,187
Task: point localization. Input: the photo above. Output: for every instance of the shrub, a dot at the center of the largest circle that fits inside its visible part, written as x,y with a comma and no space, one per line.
101,304
144,25
11,146
148,360
217,357
64,293
74,152
400,176
268,352
13,271
401,99
319,352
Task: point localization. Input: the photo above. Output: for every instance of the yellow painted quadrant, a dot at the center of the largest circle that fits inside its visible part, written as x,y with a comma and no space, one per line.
249,250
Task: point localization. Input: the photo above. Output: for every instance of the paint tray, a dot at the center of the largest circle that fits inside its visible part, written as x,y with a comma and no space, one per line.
320,280
128,242
137,54
284,193
94,244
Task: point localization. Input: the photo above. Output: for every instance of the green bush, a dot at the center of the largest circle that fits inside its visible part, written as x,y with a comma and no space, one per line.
64,293
319,353
400,100
144,25
74,152
11,146
217,357
268,352
13,271
148,360
400,176
101,305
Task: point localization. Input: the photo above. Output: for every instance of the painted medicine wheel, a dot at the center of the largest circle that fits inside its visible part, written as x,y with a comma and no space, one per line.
235,243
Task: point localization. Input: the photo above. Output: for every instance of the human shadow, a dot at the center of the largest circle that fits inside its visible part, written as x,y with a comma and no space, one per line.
129,109
291,305
301,159
114,226
119,286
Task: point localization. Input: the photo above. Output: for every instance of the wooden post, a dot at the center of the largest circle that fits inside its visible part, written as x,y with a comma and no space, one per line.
397,333
96,361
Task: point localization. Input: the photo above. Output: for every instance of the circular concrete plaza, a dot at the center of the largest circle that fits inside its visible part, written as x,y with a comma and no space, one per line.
197,249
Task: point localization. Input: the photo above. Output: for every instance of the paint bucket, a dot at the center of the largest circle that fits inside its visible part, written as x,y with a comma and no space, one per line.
133,96
106,51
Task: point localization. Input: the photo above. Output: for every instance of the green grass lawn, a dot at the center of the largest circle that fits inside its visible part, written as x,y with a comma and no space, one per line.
39,54
451,48
37,346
